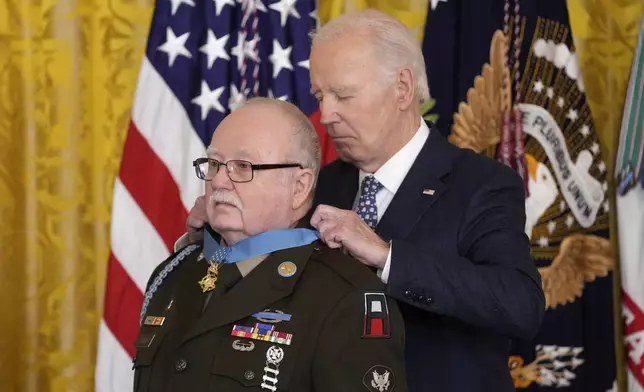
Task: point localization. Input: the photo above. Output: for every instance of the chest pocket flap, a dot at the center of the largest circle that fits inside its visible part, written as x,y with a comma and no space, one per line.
255,363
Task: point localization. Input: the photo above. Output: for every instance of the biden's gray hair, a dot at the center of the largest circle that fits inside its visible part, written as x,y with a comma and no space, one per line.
395,46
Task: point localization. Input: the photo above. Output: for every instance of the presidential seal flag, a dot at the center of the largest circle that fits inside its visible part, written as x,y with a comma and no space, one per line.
630,218
526,106
203,60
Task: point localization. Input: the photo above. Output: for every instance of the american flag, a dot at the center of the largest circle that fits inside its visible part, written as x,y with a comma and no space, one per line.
203,59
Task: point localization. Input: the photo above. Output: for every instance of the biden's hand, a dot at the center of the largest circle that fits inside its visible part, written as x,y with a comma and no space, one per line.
344,229
197,216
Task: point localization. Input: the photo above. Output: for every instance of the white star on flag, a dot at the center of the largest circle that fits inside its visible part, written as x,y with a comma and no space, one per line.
601,166
250,6
285,8
538,86
550,92
304,64
256,5
314,15
280,58
560,102
435,3
572,115
177,3
175,46
237,98
282,98
215,48
209,99
585,130
552,225
219,5
250,49
238,50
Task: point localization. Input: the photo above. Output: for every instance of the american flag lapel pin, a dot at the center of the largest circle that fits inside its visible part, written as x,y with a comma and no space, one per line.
428,192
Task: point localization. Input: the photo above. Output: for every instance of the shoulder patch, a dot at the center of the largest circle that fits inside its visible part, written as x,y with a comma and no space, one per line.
379,379
376,316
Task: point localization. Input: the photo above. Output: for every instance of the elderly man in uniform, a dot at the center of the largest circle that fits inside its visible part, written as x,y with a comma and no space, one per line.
266,306
443,227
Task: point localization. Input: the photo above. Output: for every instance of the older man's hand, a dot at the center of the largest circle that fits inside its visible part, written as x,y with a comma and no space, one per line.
344,229
197,216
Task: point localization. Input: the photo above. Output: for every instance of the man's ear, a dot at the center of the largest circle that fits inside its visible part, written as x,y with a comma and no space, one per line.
406,88
302,187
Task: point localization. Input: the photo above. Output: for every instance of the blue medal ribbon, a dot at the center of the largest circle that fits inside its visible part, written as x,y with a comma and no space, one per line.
260,244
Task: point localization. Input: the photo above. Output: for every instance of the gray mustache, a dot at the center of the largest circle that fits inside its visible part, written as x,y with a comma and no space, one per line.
225,197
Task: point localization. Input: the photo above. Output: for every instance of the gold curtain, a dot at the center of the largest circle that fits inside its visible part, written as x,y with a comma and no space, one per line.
412,13
605,33
68,70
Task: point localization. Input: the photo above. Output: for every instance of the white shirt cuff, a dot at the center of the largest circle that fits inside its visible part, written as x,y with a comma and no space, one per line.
384,273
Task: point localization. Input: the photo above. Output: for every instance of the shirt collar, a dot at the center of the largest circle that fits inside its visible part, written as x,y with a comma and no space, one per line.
393,172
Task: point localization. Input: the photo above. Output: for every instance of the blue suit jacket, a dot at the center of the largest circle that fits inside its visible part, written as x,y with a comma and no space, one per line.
461,268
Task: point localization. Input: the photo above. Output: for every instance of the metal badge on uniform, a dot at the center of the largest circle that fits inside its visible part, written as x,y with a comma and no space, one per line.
428,192
379,379
243,346
155,321
376,316
287,269
274,356
272,317
144,340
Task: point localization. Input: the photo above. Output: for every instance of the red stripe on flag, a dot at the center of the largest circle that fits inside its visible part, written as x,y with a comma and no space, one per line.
150,183
123,302
326,144
634,337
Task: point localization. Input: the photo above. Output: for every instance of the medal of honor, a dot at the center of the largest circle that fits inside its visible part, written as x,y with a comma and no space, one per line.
209,282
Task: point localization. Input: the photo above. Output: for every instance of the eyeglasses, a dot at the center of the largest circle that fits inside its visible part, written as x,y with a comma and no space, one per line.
238,170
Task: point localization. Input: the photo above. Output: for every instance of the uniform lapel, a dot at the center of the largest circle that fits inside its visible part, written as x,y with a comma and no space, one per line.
262,287
190,298
420,189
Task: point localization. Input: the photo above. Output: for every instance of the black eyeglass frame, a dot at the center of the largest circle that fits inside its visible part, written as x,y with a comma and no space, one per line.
268,166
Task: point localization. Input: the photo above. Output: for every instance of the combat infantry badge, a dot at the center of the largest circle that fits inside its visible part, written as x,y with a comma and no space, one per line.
379,379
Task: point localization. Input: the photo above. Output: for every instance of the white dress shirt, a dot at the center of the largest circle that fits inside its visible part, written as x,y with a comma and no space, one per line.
391,174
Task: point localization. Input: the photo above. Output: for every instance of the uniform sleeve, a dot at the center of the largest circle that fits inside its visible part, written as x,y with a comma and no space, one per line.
361,346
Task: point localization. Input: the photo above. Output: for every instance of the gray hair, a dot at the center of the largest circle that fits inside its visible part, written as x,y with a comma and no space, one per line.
306,144
395,47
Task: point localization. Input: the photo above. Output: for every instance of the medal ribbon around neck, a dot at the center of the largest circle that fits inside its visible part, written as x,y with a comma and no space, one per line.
250,247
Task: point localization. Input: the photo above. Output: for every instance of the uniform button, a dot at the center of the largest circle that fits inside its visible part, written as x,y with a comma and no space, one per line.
421,298
408,294
429,300
249,375
181,365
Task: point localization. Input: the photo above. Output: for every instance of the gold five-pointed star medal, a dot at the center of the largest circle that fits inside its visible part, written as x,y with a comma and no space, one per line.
209,281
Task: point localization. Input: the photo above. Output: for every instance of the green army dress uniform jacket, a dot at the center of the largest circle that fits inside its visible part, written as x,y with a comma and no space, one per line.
337,333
